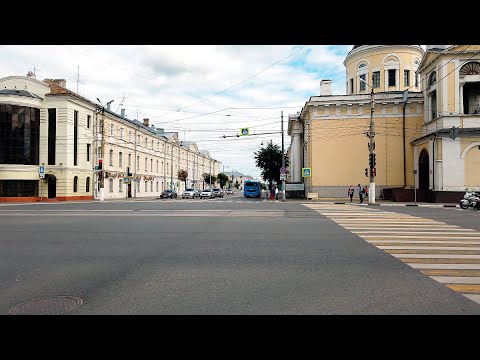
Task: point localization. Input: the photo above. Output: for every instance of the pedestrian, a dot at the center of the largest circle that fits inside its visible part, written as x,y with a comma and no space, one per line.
360,193
351,190
276,193
272,192
365,191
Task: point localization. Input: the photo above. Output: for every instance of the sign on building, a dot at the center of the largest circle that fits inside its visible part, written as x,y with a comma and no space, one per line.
306,172
294,187
244,131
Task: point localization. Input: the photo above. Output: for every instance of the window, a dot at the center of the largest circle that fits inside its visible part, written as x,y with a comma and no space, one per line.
151,186
138,140
120,159
152,144
151,165
157,168
120,185
112,129
146,140
88,121
146,168
162,167
406,77
111,158
157,186
121,134
351,86
75,137
87,185
129,160
75,184
416,80
110,185
168,169
138,162
88,152
130,137
391,77
433,79
158,145
376,79
146,186
362,82
362,66
52,135
138,186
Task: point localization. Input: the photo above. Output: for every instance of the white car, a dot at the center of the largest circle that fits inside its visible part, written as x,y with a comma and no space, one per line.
229,191
189,194
207,193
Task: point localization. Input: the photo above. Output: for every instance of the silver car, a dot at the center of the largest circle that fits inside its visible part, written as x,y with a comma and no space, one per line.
189,194
207,193
218,192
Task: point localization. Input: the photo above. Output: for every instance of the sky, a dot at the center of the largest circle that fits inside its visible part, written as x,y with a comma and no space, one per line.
203,92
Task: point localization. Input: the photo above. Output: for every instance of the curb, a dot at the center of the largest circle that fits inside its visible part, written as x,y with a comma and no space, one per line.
389,204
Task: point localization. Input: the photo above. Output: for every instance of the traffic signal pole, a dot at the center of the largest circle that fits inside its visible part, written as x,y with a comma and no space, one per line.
371,191
283,164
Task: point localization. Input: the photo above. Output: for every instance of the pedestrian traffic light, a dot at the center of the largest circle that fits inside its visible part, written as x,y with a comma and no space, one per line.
372,161
366,172
374,172
100,164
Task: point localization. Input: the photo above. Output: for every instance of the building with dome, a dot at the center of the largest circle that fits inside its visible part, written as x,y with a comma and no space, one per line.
426,116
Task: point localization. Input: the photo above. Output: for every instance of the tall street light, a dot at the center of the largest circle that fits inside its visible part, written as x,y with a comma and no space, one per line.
102,149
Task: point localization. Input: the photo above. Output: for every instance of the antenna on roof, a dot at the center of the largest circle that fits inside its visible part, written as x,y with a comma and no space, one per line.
78,77
123,101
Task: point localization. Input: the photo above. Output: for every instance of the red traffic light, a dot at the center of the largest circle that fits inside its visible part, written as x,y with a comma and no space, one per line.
100,164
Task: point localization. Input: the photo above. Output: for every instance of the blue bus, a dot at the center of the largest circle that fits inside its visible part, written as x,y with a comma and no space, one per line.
252,188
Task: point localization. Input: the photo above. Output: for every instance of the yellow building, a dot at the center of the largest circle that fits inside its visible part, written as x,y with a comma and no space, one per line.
331,133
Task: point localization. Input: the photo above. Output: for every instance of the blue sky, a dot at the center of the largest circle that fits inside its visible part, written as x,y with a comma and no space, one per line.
192,89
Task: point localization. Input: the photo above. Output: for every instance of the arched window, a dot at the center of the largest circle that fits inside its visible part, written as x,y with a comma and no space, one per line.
471,68
362,66
433,79
75,184
87,185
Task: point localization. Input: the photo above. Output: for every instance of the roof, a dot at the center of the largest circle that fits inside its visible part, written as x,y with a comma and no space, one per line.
19,93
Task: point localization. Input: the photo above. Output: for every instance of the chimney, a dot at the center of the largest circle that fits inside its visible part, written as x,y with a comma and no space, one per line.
123,113
145,121
61,82
108,106
325,87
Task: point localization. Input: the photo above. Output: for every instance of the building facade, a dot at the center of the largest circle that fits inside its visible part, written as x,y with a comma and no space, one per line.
413,138
42,123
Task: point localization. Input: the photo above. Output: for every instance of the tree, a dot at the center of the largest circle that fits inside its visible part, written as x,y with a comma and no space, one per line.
269,159
206,178
222,178
237,184
183,175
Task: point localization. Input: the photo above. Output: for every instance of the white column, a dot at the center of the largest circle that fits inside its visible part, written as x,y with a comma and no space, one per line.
397,79
386,80
296,165
460,100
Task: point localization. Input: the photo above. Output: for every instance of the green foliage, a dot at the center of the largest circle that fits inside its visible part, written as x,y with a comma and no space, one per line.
269,159
237,184
222,178
206,178
183,175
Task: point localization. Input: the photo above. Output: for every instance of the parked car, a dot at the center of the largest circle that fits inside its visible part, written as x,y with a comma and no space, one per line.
229,192
189,194
207,193
217,192
168,194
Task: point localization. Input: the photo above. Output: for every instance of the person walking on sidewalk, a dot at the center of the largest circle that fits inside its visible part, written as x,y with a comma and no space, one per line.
365,191
360,193
351,190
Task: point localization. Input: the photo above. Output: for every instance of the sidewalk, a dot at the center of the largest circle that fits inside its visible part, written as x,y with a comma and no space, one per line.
380,202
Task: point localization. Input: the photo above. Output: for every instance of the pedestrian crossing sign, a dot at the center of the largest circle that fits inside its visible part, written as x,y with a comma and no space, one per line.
306,172
244,131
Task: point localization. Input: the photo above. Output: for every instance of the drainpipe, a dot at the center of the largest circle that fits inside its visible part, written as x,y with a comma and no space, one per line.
404,150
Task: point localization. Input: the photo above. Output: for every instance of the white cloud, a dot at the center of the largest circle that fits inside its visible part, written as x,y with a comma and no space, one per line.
157,80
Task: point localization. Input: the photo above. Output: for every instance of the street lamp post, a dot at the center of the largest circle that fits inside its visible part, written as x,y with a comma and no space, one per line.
102,150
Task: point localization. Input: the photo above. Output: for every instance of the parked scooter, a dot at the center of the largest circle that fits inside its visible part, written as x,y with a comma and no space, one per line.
470,199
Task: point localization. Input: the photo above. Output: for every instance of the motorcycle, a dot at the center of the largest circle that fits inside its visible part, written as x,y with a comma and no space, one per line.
470,199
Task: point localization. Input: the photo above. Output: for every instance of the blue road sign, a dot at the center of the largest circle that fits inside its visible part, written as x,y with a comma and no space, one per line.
306,172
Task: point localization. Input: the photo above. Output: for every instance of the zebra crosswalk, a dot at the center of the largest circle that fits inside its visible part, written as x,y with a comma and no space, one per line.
446,253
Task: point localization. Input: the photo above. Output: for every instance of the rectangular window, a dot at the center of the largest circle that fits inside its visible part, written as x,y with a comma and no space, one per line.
18,188
138,162
151,165
351,86
146,186
406,77
157,186
52,135
88,152
391,77
129,160
111,158
88,121
120,159
362,82
75,137
121,134
112,129
152,144
138,186
151,186
138,140
146,168
110,185
416,80
158,145
120,185
376,79
157,166
168,169
146,141
130,137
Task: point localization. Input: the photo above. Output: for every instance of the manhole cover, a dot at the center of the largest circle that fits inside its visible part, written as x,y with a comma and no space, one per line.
47,306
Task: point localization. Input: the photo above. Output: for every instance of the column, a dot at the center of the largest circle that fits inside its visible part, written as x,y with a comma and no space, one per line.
296,165
460,98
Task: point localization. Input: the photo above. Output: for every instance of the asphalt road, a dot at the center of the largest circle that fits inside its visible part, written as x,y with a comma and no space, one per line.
220,256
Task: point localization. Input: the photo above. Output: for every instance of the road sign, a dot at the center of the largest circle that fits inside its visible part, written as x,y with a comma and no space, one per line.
41,171
244,131
126,180
306,172
283,177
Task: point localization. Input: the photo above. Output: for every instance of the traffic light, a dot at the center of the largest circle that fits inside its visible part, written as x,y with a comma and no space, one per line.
372,161
374,172
100,164
366,172
128,171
